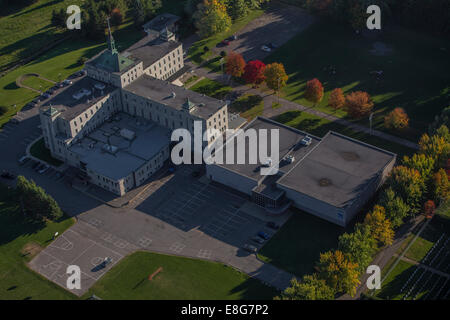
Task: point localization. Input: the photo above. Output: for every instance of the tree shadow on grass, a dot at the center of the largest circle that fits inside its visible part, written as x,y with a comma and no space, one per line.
253,289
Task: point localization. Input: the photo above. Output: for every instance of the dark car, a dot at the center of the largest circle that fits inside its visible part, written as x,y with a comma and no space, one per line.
273,225
225,42
35,164
7,175
263,235
271,45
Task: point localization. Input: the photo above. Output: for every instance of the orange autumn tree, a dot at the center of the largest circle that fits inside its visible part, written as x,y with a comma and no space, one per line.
276,76
314,91
380,227
441,185
338,271
358,104
336,99
428,208
396,119
234,64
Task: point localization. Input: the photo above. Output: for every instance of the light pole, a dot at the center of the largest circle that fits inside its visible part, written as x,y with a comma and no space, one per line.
370,122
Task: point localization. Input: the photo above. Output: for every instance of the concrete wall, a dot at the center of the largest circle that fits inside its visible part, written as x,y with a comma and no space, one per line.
167,65
230,179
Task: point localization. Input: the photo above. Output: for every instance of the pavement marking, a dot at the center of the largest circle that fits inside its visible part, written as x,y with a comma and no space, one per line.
204,253
177,247
144,242
67,245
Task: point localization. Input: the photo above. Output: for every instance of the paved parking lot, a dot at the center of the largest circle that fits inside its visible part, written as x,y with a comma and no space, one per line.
277,25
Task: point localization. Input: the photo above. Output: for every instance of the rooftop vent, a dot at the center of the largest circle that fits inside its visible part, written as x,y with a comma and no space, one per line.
325,182
110,148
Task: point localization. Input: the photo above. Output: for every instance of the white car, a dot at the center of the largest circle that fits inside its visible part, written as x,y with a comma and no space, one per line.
265,48
67,82
306,141
250,248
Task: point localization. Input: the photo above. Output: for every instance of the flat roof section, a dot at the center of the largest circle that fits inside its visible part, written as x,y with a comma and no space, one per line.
162,91
87,93
130,155
289,139
337,170
151,48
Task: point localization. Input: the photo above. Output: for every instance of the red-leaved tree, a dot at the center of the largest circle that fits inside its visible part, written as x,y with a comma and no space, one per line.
254,72
234,64
314,91
358,104
429,208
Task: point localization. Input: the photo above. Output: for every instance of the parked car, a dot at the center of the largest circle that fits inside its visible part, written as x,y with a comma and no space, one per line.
23,159
38,167
67,82
271,45
263,235
258,240
7,175
265,48
15,121
45,95
44,169
225,42
273,225
250,248
306,141
35,164
233,37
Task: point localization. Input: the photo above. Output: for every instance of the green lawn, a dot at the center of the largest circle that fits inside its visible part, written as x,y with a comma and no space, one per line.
296,247
37,83
196,52
320,126
390,288
190,80
423,243
180,279
211,88
249,106
27,29
17,237
415,71
39,151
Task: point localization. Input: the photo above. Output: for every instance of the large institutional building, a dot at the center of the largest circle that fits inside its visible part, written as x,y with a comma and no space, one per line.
115,123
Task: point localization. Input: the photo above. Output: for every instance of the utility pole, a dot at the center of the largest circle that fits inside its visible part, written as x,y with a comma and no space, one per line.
370,122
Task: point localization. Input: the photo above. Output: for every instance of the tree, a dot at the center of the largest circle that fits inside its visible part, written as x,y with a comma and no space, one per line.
310,288
396,209
338,271
116,17
422,163
35,202
336,99
436,146
441,186
234,64
276,76
211,18
409,185
396,119
254,72
314,91
380,227
358,104
428,209
359,246
237,8
59,18
142,10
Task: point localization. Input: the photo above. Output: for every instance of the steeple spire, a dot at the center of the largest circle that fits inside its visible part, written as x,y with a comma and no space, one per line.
111,43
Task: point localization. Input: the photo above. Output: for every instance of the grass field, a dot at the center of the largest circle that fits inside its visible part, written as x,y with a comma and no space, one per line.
320,126
249,106
36,83
211,88
415,76
180,279
39,151
20,240
25,30
297,245
394,282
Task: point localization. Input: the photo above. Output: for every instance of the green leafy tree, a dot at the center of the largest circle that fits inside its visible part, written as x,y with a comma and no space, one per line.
422,163
380,227
237,8
437,146
396,209
359,246
441,186
310,288
211,18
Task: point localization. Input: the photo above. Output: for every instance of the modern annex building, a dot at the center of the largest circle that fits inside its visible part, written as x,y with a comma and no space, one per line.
332,177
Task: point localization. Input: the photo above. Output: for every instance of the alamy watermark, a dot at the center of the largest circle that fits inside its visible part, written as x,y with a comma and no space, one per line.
374,20
241,147
374,280
74,19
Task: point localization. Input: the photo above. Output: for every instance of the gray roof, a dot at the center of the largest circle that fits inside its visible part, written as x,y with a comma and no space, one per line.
337,170
70,107
149,139
161,92
288,139
150,49
161,21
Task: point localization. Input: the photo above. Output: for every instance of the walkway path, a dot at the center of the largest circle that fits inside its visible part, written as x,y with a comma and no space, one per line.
287,105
